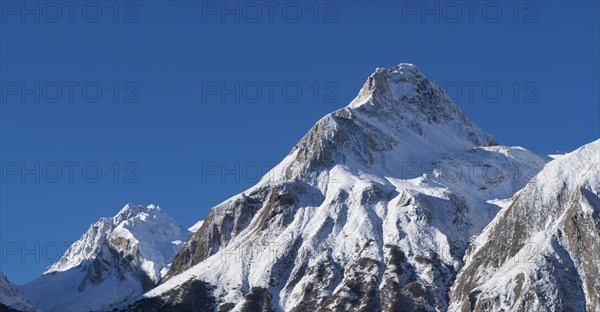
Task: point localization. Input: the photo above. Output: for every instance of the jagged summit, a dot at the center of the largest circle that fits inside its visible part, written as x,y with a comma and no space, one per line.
130,210
403,77
404,93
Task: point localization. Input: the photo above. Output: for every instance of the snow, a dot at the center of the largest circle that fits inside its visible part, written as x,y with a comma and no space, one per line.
399,192
540,210
146,234
196,226
400,166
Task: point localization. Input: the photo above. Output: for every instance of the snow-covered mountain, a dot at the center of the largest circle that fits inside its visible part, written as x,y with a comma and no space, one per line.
10,297
395,202
542,252
116,259
372,210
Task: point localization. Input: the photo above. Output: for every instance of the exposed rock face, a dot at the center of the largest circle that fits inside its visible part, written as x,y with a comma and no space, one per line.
543,252
233,216
371,211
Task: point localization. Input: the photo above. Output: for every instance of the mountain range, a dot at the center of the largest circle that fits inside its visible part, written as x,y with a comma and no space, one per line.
396,202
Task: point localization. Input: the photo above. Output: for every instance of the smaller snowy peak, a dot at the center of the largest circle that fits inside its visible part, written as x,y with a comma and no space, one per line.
145,232
11,297
118,258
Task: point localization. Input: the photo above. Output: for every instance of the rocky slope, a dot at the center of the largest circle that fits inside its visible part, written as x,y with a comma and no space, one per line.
371,211
10,297
116,259
542,253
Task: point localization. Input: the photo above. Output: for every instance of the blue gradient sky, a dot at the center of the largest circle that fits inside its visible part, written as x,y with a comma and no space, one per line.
166,124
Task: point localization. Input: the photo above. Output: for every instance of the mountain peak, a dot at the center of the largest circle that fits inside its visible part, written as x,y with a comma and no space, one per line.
143,227
401,71
394,82
131,210
403,95
116,259
397,116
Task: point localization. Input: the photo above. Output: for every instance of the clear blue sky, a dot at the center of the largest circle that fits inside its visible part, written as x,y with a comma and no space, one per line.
170,126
